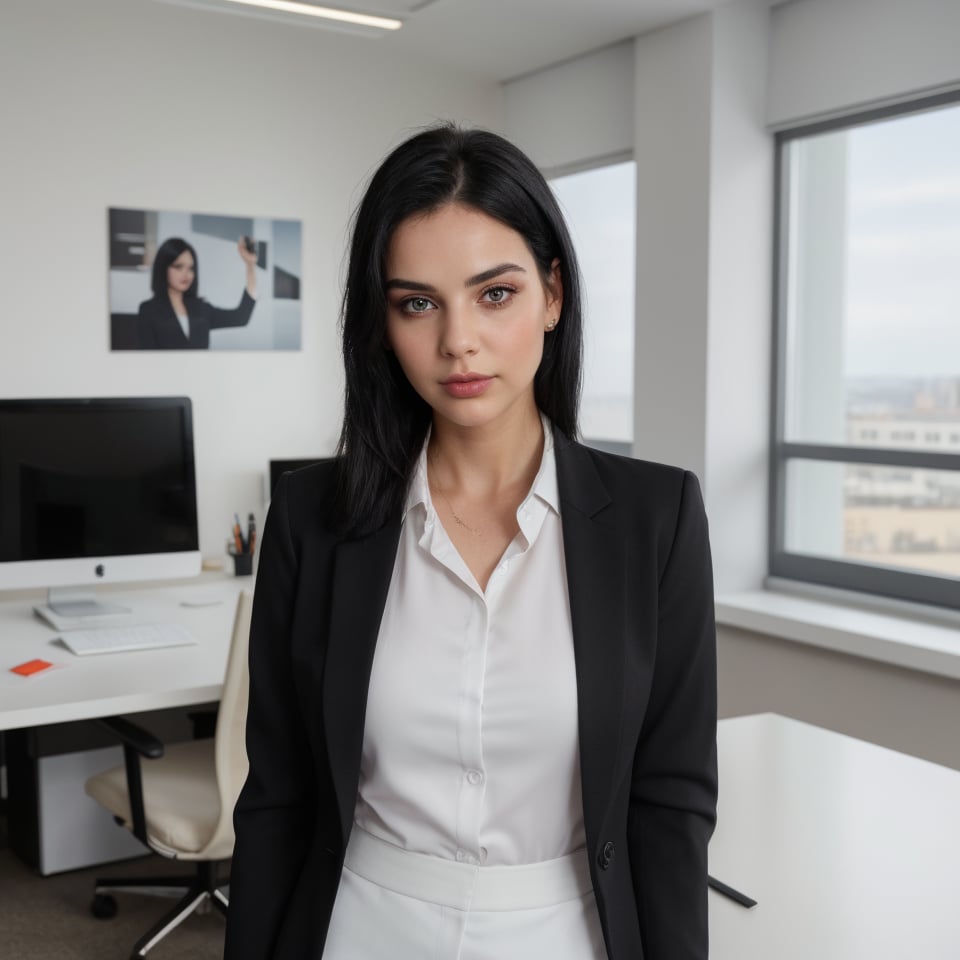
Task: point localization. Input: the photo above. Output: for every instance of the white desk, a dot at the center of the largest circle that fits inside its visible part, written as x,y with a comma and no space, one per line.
57,826
851,850
116,683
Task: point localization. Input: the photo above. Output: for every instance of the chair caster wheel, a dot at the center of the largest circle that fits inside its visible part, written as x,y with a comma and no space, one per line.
104,906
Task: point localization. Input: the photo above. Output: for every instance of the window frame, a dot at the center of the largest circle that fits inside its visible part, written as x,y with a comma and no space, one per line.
925,588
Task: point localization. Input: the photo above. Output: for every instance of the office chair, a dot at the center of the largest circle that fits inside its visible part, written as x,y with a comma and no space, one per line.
180,803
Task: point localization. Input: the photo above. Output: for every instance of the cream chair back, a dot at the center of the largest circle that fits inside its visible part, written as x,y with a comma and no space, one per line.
230,752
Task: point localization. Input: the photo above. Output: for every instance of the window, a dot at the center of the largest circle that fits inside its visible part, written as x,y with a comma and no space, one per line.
865,492
600,209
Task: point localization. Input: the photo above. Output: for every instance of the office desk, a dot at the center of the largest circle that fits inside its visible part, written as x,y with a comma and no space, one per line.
54,825
103,685
851,850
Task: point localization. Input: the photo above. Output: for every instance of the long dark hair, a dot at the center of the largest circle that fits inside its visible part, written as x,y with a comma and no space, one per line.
167,252
385,421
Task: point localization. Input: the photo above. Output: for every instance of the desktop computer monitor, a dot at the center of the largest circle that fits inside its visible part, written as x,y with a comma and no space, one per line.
95,491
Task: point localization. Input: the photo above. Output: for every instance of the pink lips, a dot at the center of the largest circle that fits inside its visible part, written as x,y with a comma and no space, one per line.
467,385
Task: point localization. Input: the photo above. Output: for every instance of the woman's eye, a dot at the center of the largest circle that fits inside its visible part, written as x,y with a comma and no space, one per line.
497,294
416,305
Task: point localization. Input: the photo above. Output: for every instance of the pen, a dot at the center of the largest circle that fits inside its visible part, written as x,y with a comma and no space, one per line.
251,533
730,892
237,536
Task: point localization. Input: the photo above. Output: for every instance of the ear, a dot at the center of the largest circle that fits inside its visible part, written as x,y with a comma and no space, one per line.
553,289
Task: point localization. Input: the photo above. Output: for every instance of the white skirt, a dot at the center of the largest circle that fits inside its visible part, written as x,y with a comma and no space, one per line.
396,905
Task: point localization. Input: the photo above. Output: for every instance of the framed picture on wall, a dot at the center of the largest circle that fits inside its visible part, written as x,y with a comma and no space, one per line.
198,281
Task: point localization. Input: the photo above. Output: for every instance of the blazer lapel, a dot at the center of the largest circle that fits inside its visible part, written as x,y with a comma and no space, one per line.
595,551
361,579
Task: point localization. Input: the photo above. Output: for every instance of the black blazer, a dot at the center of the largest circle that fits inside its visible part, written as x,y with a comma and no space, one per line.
159,329
641,602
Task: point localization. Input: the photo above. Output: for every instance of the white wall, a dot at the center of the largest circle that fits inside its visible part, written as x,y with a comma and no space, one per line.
829,56
132,103
904,710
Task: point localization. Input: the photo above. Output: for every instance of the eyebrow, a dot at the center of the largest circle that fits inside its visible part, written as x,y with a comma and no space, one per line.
483,277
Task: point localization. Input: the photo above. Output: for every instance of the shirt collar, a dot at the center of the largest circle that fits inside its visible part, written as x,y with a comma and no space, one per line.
545,483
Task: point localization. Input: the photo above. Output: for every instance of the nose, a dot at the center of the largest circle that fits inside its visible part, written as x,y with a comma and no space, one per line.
458,336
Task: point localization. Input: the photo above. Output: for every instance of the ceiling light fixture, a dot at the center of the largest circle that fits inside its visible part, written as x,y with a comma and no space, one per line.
326,13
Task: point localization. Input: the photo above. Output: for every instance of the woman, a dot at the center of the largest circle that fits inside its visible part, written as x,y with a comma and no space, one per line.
175,318
482,669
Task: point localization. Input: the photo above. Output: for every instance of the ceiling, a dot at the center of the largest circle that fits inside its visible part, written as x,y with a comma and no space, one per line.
502,39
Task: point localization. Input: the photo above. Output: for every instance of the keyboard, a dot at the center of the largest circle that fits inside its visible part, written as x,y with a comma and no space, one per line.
116,639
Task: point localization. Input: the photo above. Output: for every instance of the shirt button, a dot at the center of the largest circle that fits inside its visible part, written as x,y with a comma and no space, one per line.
475,777
460,856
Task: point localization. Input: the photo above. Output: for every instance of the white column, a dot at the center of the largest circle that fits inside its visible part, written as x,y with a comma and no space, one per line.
704,261
672,151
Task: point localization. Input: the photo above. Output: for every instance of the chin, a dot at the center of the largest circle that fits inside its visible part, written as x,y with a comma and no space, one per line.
466,413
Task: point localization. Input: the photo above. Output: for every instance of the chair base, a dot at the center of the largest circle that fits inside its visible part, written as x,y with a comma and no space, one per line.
197,888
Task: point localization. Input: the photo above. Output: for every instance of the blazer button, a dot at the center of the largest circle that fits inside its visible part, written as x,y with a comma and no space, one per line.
607,854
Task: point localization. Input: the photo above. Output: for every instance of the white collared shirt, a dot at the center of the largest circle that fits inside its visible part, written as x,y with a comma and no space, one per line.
470,748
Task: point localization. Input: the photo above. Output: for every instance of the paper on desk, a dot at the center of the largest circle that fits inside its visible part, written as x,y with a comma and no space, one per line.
33,668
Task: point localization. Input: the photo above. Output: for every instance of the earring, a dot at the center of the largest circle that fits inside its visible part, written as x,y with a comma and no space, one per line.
552,323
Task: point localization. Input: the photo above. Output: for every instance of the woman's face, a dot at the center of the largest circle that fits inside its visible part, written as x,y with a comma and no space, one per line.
181,272
466,314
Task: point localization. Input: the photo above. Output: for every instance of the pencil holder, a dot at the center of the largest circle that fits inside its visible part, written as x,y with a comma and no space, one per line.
242,564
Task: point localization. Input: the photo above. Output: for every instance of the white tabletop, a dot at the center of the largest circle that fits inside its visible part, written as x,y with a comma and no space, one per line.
78,688
851,850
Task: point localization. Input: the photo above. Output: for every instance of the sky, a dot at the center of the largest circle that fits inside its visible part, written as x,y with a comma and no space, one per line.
903,246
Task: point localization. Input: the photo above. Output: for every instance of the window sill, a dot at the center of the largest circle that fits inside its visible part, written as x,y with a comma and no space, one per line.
888,638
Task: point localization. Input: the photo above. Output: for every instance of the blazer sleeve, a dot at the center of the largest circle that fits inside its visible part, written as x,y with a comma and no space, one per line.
275,815
146,332
673,795
218,318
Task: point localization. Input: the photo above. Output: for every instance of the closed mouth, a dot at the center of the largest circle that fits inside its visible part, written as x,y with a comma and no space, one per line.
466,378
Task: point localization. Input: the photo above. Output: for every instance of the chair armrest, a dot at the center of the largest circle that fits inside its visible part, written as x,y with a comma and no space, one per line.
144,742
136,742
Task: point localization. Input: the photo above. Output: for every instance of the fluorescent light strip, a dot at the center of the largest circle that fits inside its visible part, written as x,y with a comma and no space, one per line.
327,13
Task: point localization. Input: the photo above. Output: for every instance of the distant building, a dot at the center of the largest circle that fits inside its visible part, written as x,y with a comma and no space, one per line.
939,433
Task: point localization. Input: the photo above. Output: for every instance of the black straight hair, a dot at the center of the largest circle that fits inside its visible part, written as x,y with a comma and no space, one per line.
385,421
167,252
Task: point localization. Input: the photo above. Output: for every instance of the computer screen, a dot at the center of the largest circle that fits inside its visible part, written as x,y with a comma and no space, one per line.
96,490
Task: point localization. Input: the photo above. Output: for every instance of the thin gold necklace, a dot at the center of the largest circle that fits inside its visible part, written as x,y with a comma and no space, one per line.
458,520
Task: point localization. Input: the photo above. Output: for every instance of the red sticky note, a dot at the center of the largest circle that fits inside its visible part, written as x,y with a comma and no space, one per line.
31,667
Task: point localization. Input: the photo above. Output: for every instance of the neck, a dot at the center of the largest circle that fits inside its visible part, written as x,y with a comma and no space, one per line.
482,461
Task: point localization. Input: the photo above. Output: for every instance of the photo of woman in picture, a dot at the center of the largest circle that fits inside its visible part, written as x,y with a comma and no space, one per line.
175,317
482,714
